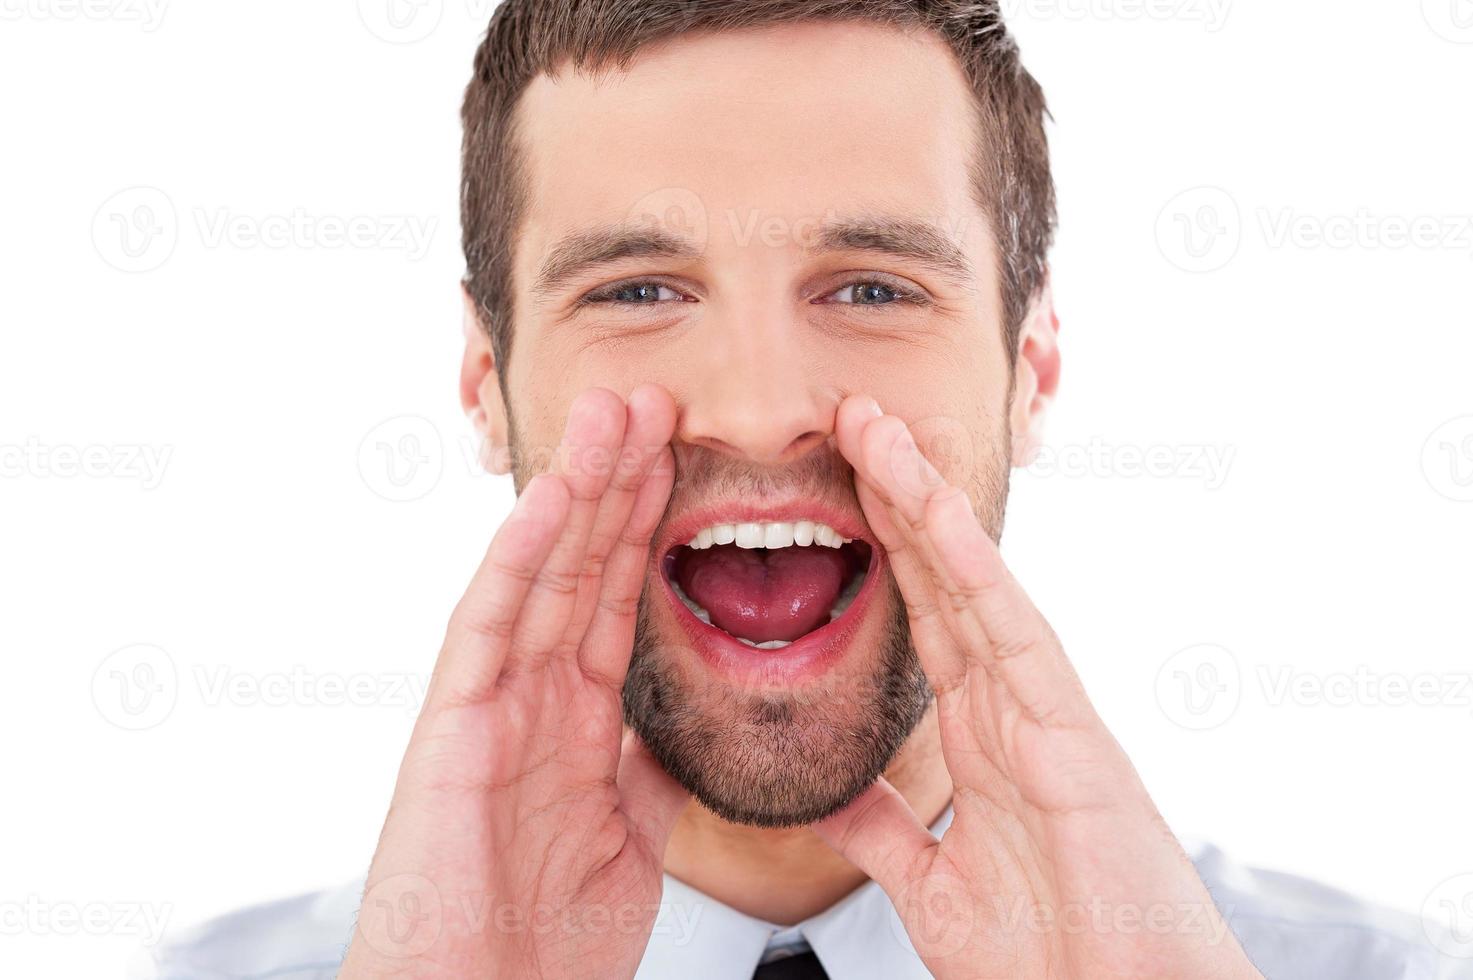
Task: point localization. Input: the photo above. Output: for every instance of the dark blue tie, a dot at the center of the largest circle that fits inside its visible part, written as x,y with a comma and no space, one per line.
804,966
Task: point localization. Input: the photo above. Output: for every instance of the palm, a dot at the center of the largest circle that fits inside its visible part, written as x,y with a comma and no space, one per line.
520,819
1051,823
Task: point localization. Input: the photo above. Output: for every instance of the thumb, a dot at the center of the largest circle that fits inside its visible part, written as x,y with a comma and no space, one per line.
881,835
648,795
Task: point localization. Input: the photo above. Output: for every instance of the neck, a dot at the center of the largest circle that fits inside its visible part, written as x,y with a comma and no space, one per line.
785,876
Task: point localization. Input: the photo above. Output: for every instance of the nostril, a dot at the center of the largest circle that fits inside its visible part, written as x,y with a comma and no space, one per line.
803,445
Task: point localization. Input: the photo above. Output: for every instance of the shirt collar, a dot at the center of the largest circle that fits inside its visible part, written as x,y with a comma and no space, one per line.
860,936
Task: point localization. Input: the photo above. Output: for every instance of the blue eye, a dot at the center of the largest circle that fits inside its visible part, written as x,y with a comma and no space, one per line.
638,293
872,293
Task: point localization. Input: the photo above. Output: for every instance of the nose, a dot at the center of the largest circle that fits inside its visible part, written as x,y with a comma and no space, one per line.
754,391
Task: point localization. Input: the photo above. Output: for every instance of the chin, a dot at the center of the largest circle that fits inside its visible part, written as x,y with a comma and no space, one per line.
774,731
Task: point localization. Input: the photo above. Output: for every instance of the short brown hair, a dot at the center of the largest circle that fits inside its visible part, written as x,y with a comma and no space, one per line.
526,38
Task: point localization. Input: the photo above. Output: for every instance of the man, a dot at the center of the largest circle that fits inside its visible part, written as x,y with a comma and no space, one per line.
758,317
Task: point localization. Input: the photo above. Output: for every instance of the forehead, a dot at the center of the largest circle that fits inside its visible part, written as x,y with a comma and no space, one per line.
773,122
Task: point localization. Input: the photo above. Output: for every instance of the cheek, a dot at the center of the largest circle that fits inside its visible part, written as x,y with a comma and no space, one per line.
958,413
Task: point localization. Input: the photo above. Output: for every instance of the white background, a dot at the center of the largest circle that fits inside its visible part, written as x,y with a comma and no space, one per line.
1208,154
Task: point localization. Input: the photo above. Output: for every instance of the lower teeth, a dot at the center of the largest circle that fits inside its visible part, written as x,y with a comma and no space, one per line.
841,605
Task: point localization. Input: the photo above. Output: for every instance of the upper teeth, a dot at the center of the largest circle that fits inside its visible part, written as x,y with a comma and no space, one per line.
773,534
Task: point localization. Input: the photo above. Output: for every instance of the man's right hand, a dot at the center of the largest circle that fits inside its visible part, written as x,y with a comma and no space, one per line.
525,838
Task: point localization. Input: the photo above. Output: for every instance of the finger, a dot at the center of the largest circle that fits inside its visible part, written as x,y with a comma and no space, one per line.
886,457
649,796
881,835
609,641
996,624
481,626
649,426
999,622
593,434
935,642
853,414
905,552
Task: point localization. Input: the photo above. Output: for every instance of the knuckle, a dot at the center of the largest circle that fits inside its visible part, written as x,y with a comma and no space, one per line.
557,581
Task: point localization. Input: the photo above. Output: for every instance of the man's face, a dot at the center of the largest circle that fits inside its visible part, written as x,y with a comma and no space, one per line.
764,222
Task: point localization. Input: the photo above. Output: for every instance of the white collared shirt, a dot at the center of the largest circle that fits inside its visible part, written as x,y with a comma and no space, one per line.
1290,927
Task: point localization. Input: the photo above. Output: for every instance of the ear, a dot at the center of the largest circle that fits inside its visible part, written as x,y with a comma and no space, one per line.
1036,377
480,391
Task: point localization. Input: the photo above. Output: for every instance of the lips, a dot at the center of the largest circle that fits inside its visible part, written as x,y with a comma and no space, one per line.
768,585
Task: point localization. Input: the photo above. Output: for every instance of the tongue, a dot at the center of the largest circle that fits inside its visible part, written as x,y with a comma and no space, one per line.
763,595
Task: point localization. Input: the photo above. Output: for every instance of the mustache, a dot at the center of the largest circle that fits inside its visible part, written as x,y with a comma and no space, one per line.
702,474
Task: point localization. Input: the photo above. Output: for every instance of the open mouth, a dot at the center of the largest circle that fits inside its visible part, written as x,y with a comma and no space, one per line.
769,584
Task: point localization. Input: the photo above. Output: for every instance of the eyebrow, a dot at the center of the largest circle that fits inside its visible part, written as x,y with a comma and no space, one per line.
585,250
906,238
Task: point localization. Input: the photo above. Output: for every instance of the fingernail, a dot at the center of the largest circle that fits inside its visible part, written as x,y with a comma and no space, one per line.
874,408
